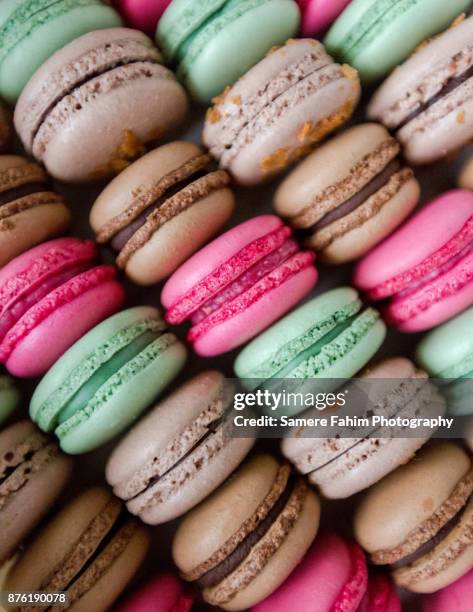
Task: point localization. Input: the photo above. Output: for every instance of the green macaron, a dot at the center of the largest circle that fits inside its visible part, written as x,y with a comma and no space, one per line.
376,35
446,353
32,30
330,337
106,379
9,397
213,43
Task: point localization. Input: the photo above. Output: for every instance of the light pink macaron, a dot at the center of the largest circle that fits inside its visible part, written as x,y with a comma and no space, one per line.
143,14
425,269
458,597
317,15
165,593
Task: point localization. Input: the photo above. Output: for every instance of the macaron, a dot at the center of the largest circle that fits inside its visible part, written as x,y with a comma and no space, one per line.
457,597
213,43
376,35
106,379
418,520
32,30
381,595
142,14
75,114
447,354
317,15
9,397
49,297
164,593
279,110
238,284
427,102
161,209
341,467
267,519
30,211
5,127
465,177
330,337
349,194
333,573
424,270
33,472
90,550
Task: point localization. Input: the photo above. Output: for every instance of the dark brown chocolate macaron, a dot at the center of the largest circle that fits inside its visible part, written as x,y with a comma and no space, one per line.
90,550
162,209
241,543
30,211
5,127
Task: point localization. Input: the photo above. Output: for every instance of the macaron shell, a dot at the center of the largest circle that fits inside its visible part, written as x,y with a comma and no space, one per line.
317,15
142,14
161,594
455,598
465,178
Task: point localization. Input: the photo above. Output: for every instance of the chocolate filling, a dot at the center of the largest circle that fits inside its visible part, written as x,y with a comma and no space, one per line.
356,201
228,565
20,192
449,86
120,239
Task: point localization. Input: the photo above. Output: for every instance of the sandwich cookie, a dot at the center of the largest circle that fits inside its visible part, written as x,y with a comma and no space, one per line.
9,397
465,177
213,43
428,101
238,284
381,595
457,597
142,14
90,550
317,15
49,297
75,114
33,472
106,379
376,35
418,520
179,453
278,111
30,211
343,466
349,194
424,270
267,519
5,127
161,209
164,593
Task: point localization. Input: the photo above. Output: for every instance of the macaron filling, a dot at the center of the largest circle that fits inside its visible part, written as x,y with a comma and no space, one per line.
15,193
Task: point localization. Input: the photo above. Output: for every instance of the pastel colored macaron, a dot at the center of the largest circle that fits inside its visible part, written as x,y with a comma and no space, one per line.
381,595
457,597
418,520
330,337
178,454
267,519
165,593
30,211
49,297
161,209
9,397
317,15
32,30
376,35
349,194
5,127
425,269
75,114
341,467
33,472
427,102
213,43
142,14
238,284
90,550
279,111
107,378
447,353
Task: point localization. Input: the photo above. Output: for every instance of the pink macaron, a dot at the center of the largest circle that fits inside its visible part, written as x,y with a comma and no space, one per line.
143,14
457,597
317,15
239,284
49,297
165,593
425,269
381,596
333,573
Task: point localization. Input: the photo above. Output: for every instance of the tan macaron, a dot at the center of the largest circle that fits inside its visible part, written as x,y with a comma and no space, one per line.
242,542
465,177
162,209
419,519
349,194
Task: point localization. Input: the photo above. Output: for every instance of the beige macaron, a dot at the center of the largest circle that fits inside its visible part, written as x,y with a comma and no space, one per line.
465,177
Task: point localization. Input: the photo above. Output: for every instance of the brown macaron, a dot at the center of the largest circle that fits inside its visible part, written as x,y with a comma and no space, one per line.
349,194
465,177
33,472
241,543
5,127
30,212
162,209
90,550
419,519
